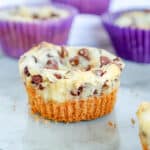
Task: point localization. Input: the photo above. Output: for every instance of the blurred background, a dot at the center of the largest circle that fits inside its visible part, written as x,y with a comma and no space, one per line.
116,4
87,26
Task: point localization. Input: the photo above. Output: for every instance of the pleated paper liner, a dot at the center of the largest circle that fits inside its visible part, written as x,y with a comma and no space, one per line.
72,110
129,43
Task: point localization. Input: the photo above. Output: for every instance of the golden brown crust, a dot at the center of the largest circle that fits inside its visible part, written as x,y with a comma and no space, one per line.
71,110
144,145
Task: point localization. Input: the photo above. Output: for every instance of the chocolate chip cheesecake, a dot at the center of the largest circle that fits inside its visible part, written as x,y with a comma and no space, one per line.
70,84
33,13
134,19
143,114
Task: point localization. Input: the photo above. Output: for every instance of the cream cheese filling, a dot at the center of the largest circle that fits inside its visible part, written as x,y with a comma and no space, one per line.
60,90
73,82
136,19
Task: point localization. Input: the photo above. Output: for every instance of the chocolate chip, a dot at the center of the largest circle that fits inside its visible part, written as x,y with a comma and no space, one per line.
54,15
77,92
104,61
74,61
144,134
117,62
63,52
48,55
73,93
35,59
26,71
41,87
105,85
84,53
116,80
88,68
95,92
120,66
35,16
100,72
36,79
51,64
116,59
80,89
58,76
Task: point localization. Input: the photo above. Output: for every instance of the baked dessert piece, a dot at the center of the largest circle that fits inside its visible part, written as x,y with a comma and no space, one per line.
143,115
70,83
21,28
33,13
129,33
135,19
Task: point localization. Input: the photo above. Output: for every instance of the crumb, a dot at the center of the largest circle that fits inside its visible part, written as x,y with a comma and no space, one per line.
30,112
45,121
36,118
132,121
111,124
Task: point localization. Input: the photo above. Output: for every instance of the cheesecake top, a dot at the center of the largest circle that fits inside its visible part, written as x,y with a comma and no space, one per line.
61,72
135,19
33,13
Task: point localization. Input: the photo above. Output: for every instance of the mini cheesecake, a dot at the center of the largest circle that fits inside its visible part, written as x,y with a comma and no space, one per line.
70,83
134,19
143,115
33,13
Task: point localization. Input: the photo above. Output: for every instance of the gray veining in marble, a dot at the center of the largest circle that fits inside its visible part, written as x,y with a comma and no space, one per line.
21,131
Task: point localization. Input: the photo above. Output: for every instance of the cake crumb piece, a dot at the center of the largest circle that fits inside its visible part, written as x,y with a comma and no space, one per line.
132,121
45,121
111,124
36,118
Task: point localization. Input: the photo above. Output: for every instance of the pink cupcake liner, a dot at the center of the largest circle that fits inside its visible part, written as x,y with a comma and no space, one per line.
88,6
18,37
130,43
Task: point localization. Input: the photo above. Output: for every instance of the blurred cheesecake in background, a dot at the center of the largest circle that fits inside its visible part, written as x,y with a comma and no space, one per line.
33,13
22,27
143,115
129,33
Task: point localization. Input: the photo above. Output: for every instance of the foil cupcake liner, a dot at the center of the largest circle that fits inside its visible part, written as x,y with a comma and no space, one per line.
72,110
18,37
130,43
88,6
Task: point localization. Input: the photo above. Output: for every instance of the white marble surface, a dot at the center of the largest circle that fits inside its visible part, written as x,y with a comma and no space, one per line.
21,131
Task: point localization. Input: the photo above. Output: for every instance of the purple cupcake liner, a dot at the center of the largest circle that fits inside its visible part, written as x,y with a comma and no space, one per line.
97,7
18,37
130,43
